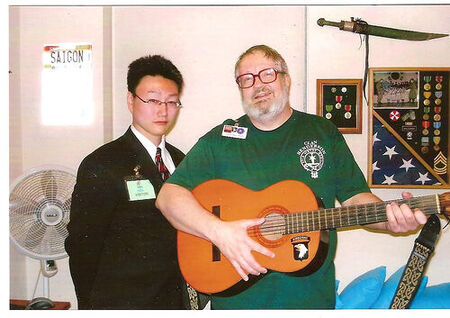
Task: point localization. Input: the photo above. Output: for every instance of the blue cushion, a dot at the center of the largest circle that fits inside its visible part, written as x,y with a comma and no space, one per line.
389,288
362,291
433,297
338,299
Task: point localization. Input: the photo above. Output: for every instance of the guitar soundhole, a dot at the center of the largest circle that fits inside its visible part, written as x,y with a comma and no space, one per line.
272,229
271,232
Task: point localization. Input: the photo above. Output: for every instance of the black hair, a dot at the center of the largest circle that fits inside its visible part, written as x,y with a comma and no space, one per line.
152,65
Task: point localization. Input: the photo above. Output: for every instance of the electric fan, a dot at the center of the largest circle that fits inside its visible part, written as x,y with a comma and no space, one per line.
39,209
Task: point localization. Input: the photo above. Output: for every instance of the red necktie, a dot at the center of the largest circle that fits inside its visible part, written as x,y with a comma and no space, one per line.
165,174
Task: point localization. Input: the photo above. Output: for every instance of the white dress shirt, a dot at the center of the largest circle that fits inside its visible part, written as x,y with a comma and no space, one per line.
151,149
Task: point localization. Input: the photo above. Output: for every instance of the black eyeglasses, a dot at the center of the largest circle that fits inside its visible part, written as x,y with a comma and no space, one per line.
266,76
155,102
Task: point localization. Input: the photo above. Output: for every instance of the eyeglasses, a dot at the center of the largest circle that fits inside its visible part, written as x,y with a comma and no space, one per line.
266,76
155,102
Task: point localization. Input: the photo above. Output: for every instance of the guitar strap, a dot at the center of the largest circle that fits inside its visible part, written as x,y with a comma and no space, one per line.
413,272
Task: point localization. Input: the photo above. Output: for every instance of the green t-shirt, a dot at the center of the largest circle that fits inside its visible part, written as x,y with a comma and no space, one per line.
307,148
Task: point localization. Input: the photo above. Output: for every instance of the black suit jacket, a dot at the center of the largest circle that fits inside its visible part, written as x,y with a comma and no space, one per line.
122,253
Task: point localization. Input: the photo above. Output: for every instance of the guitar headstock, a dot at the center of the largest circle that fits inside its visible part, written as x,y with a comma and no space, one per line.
444,200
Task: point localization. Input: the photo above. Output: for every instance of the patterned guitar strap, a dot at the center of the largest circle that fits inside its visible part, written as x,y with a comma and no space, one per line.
413,272
165,174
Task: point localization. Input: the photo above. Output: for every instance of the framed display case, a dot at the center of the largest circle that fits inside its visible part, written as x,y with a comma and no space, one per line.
408,127
339,100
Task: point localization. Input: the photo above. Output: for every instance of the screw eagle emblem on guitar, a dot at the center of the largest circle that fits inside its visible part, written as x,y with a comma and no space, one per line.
293,228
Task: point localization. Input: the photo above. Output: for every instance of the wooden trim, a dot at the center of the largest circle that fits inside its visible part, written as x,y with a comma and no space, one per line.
358,104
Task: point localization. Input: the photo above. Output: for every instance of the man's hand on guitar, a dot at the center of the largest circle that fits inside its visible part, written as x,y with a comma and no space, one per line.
401,218
233,241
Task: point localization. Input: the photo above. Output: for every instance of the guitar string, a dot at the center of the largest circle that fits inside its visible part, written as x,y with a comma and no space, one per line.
337,211
279,226
360,206
350,219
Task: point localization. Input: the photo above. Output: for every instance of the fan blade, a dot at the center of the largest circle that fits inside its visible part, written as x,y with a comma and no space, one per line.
48,184
34,236
61,228
66,205
22,205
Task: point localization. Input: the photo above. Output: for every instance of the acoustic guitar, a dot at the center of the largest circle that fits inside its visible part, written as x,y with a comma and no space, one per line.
292,229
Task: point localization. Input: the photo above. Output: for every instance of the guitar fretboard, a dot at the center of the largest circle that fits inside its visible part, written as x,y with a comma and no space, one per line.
332,218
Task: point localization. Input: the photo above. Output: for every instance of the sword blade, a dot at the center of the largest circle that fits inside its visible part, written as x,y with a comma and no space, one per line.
402,34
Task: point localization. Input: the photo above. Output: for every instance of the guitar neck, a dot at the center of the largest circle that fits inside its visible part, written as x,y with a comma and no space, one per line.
332,218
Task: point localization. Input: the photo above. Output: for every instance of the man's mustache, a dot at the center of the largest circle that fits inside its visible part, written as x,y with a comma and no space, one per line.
264,90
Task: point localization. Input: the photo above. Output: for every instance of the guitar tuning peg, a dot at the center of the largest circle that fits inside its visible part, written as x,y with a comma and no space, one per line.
446,216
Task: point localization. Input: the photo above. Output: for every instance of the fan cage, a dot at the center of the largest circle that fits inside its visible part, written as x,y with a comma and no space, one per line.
39,211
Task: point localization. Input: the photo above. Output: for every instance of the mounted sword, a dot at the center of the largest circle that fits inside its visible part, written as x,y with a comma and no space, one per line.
362,27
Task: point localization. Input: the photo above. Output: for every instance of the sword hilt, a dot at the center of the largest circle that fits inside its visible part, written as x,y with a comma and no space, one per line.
343,25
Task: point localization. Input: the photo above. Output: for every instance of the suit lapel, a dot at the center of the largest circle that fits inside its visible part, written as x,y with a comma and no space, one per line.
142,157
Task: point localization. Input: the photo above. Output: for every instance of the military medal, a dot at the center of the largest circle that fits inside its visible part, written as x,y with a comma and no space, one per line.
438,78
437,117
427,79
425,141
427,86
426,110
438,97
436,126
344,89
328,108
438,86
426,116
348,114
426,102
333,89
425,132
427,94
338,101
436,141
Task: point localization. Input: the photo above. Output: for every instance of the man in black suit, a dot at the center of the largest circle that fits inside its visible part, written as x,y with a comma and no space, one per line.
122,250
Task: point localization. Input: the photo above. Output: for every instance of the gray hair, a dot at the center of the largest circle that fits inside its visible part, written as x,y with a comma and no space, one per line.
268,52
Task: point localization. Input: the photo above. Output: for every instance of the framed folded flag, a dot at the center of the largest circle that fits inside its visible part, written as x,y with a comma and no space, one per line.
408,128
339,100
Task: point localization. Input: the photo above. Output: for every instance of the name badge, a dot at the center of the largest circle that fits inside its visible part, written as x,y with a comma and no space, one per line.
234,131
140,189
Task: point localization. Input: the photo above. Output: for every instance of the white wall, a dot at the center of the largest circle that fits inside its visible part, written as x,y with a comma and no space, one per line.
34,144
204,43
332,53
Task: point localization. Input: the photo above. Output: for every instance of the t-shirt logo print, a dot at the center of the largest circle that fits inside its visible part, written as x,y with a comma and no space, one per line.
312,157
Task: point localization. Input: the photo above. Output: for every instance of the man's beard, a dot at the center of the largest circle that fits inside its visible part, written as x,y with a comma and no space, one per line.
268,113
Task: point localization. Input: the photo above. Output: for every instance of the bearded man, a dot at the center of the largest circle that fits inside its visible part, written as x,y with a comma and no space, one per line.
271,143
